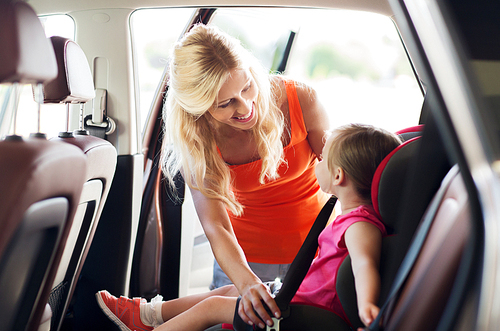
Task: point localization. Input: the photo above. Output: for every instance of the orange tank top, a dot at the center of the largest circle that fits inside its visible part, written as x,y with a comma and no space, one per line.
277,215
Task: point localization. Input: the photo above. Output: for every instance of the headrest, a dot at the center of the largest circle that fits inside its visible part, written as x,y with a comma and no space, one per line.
74,82
26,55
411,132
388,183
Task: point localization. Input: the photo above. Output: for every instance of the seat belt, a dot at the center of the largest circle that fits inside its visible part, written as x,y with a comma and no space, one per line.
297,271
302,261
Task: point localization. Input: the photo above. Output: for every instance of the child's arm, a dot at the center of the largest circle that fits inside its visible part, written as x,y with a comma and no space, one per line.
363,241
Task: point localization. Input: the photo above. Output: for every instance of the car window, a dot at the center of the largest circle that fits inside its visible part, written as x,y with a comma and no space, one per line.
53,117
354,60
154,31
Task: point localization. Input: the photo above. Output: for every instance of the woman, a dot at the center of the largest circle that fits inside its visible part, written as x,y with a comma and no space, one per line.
246,143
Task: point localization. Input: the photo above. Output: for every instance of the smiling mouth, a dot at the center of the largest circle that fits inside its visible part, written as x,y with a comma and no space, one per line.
245,118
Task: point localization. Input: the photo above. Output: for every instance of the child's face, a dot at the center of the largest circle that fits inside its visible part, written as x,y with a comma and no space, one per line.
323,174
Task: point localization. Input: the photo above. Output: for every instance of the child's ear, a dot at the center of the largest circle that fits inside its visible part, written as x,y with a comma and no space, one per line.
338,176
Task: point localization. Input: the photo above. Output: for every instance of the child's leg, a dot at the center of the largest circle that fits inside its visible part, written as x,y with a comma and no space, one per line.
172,308
137,314
211,311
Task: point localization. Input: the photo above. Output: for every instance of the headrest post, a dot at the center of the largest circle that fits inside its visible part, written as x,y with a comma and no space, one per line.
67,117
38,93
39,104
16,91
67,133
81,130
81,117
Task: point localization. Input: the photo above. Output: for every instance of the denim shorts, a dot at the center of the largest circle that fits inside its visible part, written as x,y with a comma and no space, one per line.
266,272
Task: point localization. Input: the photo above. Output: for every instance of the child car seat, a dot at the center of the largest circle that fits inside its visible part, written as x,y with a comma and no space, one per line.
388,190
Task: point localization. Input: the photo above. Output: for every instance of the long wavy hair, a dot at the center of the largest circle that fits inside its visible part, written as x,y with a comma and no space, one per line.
200,64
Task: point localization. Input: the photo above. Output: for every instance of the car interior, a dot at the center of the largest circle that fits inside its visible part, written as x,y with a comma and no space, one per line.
84,205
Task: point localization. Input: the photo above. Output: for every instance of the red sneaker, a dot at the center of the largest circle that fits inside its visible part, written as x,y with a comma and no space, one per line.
123,311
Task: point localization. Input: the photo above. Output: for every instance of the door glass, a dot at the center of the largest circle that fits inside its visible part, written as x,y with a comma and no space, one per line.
154,31
354,60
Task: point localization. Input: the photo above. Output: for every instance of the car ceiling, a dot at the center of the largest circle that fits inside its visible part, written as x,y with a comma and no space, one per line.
64,6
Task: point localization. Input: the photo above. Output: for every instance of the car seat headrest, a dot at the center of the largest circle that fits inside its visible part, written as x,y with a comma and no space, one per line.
74,82
411,132
388,183
26,55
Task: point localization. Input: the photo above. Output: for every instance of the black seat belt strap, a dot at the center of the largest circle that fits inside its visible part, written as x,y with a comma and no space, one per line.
299,267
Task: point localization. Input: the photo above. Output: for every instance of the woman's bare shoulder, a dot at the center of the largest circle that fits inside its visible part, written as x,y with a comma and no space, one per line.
279,89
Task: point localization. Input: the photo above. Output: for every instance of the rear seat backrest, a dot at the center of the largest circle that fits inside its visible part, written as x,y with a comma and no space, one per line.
46,174
74,84
41,181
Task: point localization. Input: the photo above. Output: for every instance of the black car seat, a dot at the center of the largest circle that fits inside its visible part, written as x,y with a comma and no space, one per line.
402,208
387,190
74,85
41,181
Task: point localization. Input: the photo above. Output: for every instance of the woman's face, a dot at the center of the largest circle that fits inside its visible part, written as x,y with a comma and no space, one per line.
236,101
323,174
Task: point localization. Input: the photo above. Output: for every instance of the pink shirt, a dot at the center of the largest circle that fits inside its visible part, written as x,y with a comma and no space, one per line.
319,285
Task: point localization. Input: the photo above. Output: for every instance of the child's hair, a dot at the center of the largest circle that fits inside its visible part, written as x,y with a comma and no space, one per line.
358,149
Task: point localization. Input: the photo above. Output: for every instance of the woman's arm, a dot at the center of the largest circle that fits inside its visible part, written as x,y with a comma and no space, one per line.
228,253
315,117
363,241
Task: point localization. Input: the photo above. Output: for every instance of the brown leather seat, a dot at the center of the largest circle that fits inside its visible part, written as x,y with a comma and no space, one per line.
41,181
74,85
41,187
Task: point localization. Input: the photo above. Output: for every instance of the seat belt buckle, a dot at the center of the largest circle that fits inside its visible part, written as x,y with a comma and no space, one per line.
276,324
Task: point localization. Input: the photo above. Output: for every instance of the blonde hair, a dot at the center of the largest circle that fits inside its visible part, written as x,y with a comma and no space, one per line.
199,66
358,149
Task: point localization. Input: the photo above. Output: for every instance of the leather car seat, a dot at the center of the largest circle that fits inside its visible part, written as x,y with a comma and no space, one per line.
41,181
74,85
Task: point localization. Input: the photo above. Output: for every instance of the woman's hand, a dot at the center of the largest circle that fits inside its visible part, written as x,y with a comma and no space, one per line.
252,301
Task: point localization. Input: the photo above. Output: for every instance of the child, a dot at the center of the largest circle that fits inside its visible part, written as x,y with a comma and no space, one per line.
351,156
